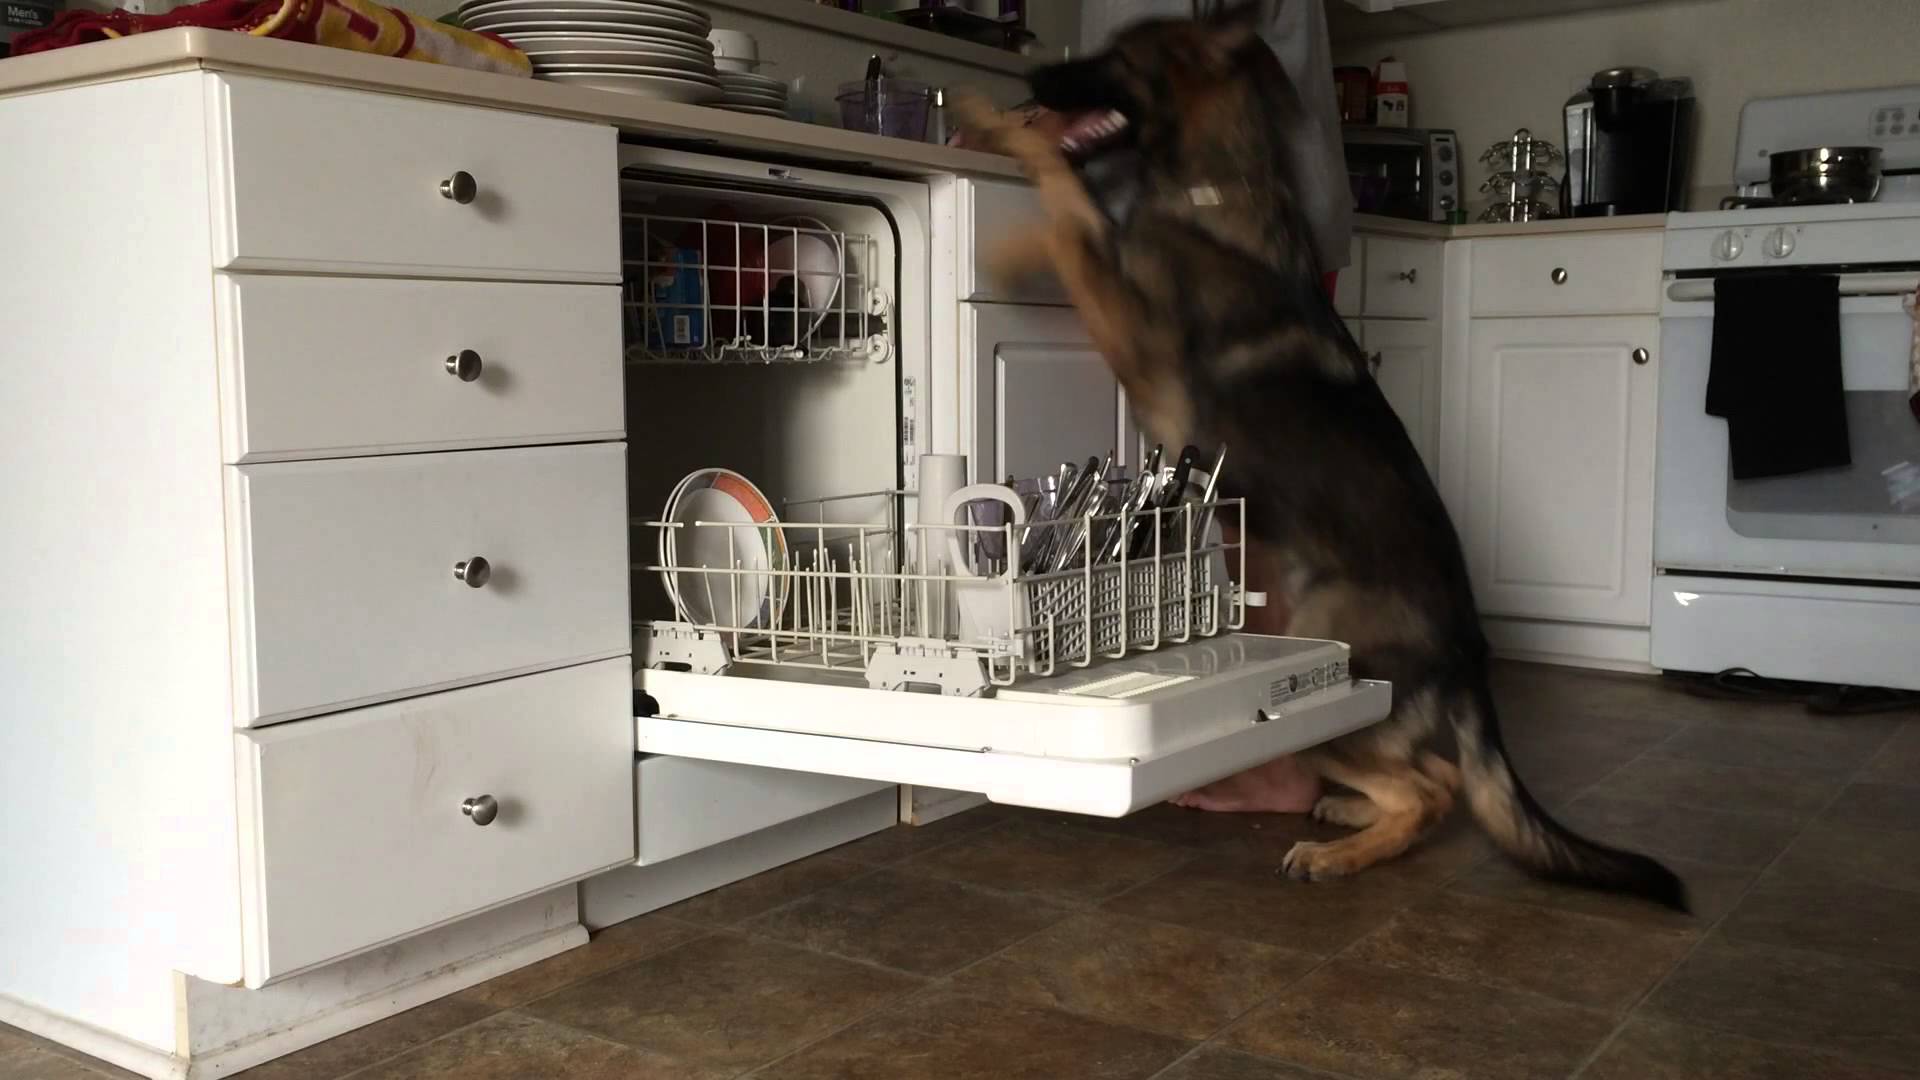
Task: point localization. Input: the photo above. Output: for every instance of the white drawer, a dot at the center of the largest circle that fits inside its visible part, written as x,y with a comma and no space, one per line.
685,804
321,178
1402,278
1593,274
354,830
345,573
328,366
1001,210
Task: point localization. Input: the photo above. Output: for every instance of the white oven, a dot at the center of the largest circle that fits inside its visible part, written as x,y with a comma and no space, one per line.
1810,576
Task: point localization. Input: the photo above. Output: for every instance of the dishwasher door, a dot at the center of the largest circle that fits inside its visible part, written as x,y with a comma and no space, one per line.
1105,740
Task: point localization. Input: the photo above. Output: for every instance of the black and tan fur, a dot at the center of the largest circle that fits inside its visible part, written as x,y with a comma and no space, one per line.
1201,290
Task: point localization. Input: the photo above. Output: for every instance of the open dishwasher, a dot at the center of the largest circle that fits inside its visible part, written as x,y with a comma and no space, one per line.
799,608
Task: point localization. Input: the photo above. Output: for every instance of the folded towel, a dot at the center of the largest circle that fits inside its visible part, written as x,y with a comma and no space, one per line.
359,25
1775,374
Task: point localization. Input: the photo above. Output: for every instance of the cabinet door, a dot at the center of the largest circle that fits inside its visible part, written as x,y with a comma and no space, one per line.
1043,393
1559,499
1405,358
1346,286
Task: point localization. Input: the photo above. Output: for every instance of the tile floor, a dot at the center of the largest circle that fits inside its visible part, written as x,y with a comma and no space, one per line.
1006,944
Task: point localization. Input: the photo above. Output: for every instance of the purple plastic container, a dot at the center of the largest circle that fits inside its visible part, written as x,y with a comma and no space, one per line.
899,109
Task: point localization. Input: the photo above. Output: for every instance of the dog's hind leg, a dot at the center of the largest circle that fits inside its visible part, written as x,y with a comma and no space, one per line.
1409,804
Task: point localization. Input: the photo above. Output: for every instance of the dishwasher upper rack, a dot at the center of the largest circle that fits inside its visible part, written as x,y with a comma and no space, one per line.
855,597
671,317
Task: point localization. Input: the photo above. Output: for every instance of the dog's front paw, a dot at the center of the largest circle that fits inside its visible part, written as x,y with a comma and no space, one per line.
1310,861
983,125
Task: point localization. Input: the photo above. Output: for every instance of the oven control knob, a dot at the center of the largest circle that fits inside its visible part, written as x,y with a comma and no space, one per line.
1779,244
1728,246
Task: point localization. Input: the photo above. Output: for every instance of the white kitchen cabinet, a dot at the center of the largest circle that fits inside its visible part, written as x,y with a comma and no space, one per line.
1402,278
372,824
1558,485
216,534
1615,273
1404,356
1347,286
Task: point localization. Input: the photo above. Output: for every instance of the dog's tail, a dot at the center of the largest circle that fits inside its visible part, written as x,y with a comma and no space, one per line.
1523,830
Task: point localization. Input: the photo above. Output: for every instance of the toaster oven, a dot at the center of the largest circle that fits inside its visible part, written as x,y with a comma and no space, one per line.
1403,172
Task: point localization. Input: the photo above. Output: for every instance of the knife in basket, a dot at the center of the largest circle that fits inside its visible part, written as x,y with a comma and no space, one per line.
1069,509
1091,499
1209,490
1149,481
1036,539
1172,493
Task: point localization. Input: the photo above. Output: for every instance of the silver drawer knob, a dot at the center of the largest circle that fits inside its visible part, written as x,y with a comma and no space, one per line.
464,365
475,571
460,187
1641,356
1559,275
481,808
1408,276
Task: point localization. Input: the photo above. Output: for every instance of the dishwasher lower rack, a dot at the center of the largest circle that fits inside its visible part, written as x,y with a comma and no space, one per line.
902,606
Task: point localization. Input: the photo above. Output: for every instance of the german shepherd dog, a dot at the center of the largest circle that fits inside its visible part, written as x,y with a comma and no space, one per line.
1171,221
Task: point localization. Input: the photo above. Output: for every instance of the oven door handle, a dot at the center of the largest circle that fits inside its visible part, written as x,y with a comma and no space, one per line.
1693,289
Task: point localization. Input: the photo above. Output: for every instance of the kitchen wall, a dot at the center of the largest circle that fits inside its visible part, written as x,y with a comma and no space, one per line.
1486,81
821,60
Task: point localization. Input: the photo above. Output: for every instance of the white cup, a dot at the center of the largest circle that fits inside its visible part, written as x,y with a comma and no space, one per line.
940,476
734,44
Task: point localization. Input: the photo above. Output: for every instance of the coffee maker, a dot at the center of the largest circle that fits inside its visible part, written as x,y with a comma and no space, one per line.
1627,144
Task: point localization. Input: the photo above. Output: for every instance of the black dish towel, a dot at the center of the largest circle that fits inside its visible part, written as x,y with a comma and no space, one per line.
1775,376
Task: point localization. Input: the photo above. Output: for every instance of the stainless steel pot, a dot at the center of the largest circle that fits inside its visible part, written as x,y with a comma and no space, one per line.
1825,174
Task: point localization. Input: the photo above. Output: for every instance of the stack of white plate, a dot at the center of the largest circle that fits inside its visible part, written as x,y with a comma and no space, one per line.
653,48
747,92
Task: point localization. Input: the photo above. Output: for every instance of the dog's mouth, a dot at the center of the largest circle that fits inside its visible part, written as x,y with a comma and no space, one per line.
1090,133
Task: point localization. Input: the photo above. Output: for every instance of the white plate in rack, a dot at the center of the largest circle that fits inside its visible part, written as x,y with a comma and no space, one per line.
513,25
661,88
753,110
756,543
748,80
609,39
613,11
617,67
632,52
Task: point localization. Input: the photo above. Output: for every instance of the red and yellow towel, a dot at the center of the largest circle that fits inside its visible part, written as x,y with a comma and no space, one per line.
360,25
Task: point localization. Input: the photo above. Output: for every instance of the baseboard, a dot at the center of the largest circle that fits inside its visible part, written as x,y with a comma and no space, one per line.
115,1049
399,999
1582,645
224,1029
632,891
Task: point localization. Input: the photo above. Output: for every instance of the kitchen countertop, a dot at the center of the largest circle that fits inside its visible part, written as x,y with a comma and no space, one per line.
1426,230
190,49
